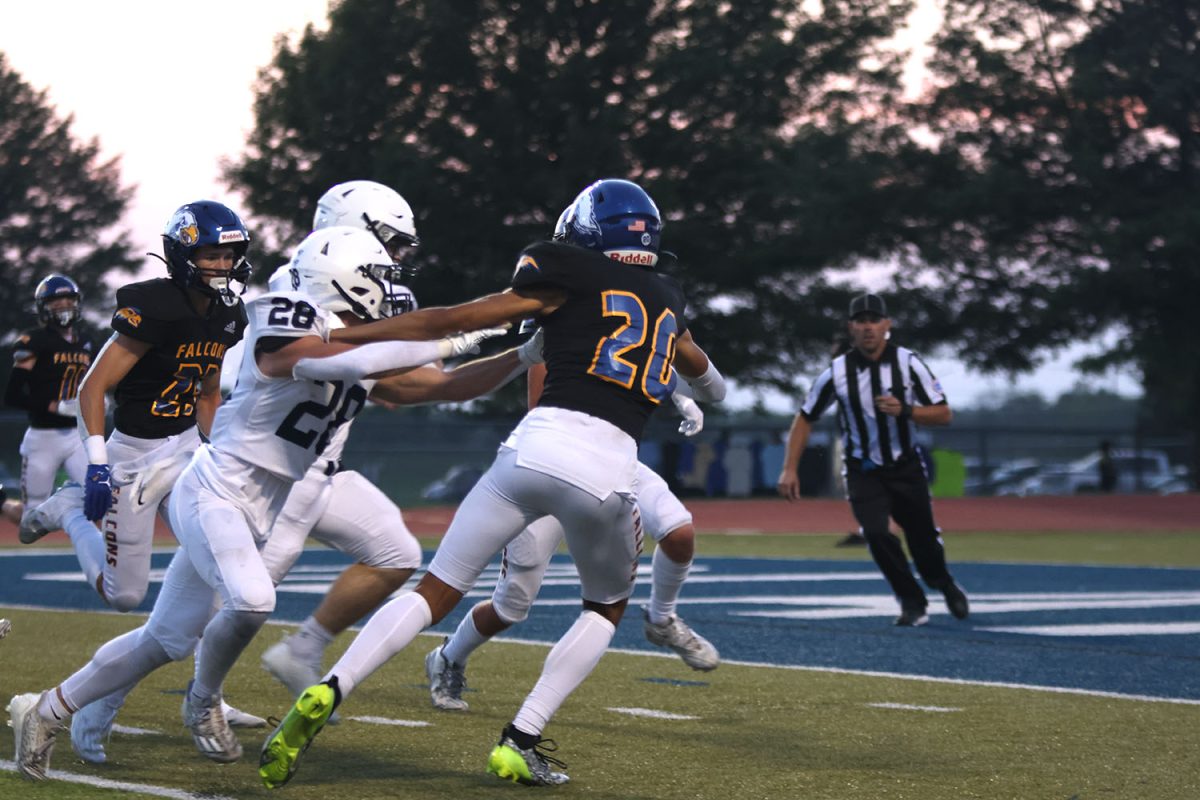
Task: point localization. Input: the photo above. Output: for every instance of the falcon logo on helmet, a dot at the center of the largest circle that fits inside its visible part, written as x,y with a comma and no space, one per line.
617,218
196,225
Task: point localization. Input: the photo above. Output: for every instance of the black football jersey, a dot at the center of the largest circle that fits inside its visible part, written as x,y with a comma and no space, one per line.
56,374
157,398
609,348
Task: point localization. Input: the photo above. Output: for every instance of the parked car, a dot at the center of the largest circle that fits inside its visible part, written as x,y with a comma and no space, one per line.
454,485
1005,478
1137,471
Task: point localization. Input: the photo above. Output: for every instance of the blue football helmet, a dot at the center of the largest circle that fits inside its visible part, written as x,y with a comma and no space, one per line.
52,287
617,218
206,223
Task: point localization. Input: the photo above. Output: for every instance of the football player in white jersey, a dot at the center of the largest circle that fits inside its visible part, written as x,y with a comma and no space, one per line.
295,388
612,331
340,508
526,558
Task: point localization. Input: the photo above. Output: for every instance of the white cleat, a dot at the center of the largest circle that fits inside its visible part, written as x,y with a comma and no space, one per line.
447,681
241,719
696,651
210,732
36,522
34,736
91,728
294,673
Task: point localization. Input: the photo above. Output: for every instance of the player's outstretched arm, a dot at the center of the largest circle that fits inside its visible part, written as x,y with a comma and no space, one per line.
490,311
467,381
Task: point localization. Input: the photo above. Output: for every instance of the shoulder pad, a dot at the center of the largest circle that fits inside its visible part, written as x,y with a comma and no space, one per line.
157,299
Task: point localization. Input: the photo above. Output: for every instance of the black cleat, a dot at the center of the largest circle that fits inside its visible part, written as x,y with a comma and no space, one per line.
911,617
956,600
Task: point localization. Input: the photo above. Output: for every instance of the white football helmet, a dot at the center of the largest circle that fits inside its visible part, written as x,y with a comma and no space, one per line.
346,269
284,279
373,207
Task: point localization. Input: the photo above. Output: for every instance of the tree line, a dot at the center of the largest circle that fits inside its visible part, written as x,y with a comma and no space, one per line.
1039,190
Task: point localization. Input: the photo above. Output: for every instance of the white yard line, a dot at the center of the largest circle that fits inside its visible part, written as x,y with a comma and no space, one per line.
121,786
906,707
649,712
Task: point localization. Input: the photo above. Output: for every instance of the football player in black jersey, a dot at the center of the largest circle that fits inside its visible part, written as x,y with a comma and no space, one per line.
163,364
612,330
48,364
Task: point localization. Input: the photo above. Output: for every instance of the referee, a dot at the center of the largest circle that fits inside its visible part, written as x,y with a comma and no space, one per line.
881,391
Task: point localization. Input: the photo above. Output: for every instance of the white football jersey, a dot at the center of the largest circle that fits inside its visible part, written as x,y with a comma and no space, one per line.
282,424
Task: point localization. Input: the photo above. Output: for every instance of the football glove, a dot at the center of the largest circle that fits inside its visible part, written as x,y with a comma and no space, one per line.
97,491
530,351
463,343
67,408
693,417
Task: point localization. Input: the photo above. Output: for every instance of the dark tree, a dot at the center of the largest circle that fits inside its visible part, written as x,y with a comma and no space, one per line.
59,205
767,135
1063,198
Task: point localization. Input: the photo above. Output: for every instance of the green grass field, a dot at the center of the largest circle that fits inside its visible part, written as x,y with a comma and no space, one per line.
758,732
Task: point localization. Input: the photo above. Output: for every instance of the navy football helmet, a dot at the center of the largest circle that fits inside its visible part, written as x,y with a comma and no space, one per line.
617,218
52,287
206,222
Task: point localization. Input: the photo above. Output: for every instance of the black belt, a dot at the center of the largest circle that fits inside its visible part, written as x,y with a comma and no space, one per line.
867,465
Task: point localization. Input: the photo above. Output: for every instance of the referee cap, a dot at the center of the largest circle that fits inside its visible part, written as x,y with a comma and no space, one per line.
868,303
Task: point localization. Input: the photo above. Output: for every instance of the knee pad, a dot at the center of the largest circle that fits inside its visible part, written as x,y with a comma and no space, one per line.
252,596
515,593
124,600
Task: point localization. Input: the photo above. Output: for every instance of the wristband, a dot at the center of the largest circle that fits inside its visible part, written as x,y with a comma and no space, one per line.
97,452
905,410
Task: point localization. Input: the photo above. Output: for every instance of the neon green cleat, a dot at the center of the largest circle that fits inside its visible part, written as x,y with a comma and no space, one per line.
531,767
282,750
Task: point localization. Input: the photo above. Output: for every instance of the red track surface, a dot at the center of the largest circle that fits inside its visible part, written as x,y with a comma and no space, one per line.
1080,513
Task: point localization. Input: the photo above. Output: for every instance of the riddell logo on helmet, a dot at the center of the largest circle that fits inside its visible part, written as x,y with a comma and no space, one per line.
639,257
231,236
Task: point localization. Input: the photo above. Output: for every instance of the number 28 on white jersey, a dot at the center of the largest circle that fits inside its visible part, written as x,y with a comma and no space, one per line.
282,424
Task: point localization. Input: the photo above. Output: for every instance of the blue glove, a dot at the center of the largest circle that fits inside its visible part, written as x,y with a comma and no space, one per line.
97,491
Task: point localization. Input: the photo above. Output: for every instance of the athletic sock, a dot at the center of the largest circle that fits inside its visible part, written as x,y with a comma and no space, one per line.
571,660
667,579
117,664
466,640
225,637
88,544
387,632
308,644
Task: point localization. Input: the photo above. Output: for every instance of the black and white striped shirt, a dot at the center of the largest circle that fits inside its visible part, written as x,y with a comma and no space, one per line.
855,382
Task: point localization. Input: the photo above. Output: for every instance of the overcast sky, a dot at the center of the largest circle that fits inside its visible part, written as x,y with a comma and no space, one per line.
167,86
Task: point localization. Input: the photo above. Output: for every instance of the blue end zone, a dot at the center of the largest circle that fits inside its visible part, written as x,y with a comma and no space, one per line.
1131,630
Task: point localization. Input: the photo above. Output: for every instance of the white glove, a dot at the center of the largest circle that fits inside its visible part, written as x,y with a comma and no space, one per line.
67,408
693,417
530,351
464,343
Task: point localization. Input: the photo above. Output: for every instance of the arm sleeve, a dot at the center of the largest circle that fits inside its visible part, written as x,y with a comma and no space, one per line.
709,387
369,359
819,397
